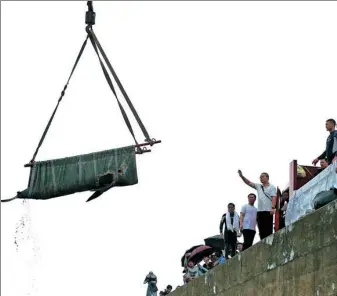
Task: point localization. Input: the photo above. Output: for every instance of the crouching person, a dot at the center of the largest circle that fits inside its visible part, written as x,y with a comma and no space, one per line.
193,271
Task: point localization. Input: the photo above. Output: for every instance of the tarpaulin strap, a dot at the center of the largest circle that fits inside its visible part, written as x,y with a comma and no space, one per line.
9,199
108,79
59,100
140,123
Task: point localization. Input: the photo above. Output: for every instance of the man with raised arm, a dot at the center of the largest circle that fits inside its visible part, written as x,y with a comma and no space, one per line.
266,203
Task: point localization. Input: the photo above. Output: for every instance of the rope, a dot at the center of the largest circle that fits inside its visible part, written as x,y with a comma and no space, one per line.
108,79
9,199
140,123
59,101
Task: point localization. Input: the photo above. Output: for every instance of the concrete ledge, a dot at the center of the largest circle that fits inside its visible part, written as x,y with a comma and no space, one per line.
299,260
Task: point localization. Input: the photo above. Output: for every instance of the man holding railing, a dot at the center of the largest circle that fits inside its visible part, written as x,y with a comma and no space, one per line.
330,152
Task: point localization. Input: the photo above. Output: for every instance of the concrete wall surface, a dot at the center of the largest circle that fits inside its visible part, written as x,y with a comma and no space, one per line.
299,260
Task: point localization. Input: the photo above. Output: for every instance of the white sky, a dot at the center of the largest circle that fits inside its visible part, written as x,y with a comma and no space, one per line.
224,85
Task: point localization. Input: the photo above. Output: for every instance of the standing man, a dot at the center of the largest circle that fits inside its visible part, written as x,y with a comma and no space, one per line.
248,221
267,196
232,230
330,152
151,281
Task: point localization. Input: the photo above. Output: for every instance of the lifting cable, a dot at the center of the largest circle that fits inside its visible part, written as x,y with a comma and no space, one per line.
90,17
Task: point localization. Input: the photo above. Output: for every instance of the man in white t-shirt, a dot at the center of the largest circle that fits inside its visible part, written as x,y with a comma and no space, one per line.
248,221
266,205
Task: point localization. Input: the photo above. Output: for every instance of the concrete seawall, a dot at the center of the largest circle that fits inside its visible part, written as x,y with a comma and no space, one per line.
299,260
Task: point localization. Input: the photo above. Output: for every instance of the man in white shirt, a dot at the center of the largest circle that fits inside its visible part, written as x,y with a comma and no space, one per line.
248,221
266,205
